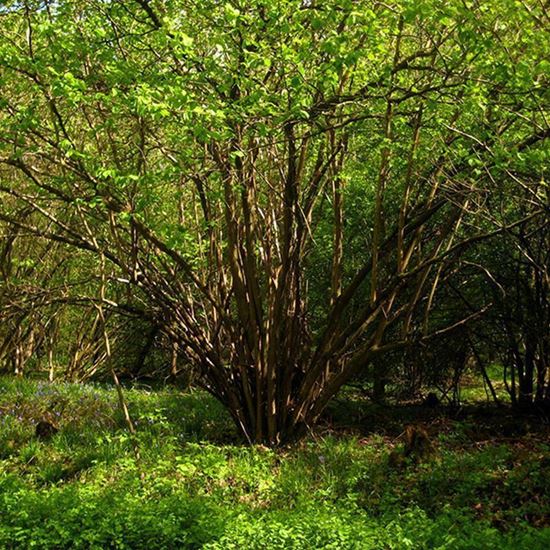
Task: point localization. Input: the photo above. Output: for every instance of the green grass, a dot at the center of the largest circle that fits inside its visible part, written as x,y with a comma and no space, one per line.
197,486
473,388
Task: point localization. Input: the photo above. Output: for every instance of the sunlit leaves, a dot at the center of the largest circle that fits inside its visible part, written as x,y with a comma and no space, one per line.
118,99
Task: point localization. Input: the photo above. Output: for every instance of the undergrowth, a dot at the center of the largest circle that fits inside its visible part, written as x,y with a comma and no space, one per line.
196,486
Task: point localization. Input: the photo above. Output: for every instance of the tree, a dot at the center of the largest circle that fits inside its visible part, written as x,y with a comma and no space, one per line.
515,279
207,153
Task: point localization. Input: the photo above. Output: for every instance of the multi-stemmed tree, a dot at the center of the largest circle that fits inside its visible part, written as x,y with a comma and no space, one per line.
204,152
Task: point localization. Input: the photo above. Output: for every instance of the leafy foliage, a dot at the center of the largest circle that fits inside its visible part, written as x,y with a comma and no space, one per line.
283,189
193,489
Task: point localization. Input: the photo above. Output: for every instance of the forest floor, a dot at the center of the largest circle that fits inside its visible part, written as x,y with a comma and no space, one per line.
485,485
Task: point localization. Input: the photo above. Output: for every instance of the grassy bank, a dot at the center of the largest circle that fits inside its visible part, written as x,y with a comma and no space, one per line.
197,486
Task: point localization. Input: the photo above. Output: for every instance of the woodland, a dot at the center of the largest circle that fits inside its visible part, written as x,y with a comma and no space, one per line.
274,274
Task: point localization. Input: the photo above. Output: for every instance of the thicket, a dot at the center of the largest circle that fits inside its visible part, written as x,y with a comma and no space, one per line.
276,200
